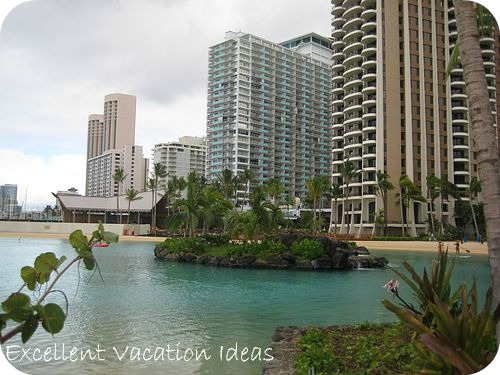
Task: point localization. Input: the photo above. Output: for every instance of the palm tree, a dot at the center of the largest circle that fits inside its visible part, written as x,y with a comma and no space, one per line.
336,193
274,188
316,190
446,188
245,178
433,192
288,201
159,171
131,195
408,192
118,177
227,183
190,209
483,131
472,190
382,188
349,172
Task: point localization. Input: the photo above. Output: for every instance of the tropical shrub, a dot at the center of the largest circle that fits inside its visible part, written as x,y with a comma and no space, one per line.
359,349
307,249
453,335
216,239
196,245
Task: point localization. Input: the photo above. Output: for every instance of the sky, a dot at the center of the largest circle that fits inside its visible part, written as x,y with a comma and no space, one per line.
59,58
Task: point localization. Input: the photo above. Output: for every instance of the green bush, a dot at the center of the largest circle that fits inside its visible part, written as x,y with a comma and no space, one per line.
307,249
196,245
360,349
270,248
217,239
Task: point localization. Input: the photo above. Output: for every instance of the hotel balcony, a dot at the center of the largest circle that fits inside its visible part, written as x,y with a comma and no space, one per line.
338,34
337,23
369,63
369,37
351,35
338,44
349,3
337,11
352,21
353,83
352,120
352,94
368,3
353,58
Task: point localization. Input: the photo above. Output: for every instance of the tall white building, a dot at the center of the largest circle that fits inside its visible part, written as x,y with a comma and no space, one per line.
182,157
110,145
269,109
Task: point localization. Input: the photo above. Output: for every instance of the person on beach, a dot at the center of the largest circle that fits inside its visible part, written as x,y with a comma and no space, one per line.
440,247
457,247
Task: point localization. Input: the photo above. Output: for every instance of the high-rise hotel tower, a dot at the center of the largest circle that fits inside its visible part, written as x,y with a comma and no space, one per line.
395,110
110,145
269,109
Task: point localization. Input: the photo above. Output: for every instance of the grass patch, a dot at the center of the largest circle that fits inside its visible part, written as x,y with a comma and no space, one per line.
360,349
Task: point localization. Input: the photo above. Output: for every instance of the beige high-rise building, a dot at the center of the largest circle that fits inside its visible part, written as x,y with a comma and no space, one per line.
182,157
119,121
395,110
110,145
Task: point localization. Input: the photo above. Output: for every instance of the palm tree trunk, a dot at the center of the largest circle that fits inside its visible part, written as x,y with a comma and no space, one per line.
331,217
347,209
432,216
483,134
384,198
401,204
128,217
473,216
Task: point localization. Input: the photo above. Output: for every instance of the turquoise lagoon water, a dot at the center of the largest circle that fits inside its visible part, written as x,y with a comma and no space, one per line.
146,303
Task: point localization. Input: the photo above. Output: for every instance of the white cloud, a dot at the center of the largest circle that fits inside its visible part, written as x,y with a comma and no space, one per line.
58,59
41,176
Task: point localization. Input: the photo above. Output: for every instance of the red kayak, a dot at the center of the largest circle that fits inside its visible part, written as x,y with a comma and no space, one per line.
101,244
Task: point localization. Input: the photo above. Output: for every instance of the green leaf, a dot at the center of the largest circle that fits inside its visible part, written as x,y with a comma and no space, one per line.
53,321
29,328
89,262
110,237
78,240
101,227
17,306
62,260
29,275
46,263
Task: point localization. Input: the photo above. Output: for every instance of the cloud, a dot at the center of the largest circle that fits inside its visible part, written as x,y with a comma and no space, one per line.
58,59
41,176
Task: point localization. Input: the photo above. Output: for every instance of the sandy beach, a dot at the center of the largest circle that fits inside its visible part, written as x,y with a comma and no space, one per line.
473,247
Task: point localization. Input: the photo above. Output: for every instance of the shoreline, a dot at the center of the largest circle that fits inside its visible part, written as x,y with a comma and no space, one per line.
428,246
62,236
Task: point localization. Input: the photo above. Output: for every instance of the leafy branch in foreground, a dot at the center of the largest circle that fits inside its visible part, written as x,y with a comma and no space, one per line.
19,307
454,336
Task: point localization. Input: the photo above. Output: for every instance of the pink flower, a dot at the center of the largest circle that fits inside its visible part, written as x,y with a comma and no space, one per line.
392,286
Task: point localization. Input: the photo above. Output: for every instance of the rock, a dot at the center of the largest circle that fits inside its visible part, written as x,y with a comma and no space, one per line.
303,265
361,250
242,261
323,263
187,258
203,259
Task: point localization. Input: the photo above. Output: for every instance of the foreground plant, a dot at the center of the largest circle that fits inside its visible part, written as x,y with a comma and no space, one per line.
454,336
20,308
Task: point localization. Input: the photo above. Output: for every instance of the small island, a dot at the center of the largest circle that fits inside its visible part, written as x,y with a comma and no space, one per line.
291,251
